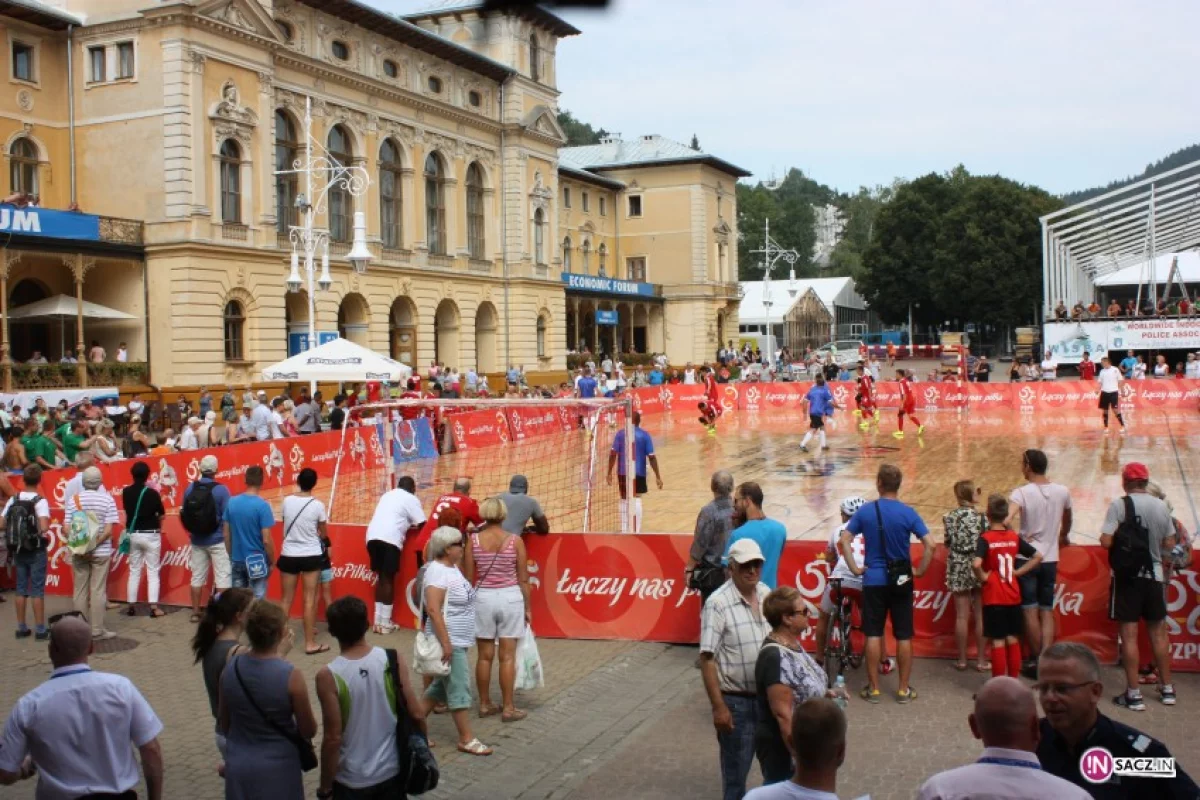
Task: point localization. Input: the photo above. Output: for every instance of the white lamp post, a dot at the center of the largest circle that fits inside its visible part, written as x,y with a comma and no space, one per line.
772,252
309,240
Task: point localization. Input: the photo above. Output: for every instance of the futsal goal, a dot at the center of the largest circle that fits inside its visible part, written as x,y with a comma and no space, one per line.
561,446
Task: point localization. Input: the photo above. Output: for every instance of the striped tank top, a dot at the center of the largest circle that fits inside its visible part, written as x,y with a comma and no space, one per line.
495,570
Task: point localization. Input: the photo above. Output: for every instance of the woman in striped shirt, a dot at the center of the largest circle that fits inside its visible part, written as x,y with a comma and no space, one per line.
495,562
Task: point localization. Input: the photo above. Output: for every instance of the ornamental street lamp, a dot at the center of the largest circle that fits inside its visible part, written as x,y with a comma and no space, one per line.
319,166
772,252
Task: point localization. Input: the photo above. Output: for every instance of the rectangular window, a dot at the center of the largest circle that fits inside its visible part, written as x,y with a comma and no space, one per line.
636,269
22,61
603,210
97,61
585,202
635,205
566,197
124,60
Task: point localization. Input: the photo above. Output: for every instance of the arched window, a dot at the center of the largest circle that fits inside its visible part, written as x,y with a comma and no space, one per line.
286,150
23,158
231,182
435,204
235,328
389,194
586,250
602,251
535,57
340,206
541,336
475,228
567,254
539,236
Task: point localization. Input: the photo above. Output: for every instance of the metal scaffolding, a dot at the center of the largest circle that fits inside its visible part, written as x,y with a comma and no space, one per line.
1117,229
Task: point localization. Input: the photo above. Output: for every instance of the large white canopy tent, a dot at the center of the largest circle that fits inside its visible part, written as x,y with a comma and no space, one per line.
338,361
1133,225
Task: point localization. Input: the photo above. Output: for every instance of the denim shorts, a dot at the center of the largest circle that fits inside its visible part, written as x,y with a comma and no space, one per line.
1037,586
454,689
241,580
31,574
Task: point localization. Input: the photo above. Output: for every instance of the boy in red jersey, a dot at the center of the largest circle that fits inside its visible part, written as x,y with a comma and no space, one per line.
710,406
996,556
908,403
865,397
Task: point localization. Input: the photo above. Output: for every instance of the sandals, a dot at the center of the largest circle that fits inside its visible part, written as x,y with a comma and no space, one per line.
321,648
516,715
195,617
489,711
961,666
440,708
157,612
475,748
983,666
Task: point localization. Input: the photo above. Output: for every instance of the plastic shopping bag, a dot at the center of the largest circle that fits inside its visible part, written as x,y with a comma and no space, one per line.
529,663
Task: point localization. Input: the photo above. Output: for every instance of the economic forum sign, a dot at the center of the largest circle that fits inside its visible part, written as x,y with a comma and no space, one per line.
593,283
49,223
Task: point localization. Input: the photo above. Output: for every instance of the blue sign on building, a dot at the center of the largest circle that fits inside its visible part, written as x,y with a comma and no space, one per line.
606,317
47,222
298,342
593,283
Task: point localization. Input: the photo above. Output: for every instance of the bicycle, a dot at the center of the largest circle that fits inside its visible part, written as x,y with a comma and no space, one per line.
843,633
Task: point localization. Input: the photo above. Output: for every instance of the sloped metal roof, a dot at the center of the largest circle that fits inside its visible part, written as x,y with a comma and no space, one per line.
650,150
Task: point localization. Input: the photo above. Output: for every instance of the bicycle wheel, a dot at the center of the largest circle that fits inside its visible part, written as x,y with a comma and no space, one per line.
853,657
835,651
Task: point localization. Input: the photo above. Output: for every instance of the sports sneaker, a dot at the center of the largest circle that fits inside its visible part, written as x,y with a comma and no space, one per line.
906,697
870,695
898,434
103,635
1166,693
42,635
23,633
1132,702
803,448
920,429
1029,670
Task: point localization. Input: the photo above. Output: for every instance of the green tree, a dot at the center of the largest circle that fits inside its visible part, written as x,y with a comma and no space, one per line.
579,133
789,206
695,145
860,209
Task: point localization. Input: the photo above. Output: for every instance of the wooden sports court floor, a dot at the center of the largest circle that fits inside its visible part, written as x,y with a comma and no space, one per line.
804,490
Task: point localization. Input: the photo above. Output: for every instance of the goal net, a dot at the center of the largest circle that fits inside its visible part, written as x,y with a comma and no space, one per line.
562,447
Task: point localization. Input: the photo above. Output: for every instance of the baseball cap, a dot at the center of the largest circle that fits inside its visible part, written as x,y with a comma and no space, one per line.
744,551
208,465
1135,471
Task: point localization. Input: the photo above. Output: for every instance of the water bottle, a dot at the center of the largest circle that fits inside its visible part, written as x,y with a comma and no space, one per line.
839,691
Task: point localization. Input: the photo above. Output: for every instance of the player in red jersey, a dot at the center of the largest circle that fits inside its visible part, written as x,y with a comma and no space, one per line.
710,406
908,404
865,398
460,500
996,555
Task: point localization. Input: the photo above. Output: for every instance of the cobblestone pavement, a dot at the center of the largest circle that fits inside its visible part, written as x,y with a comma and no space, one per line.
616,719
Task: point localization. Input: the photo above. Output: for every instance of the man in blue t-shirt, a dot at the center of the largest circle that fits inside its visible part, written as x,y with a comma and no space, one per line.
1127,364
585,388
767,533
643,451
656,377
889,574
820,405
208,548
248,523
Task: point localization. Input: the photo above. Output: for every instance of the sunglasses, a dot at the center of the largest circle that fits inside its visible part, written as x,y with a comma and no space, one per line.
56,617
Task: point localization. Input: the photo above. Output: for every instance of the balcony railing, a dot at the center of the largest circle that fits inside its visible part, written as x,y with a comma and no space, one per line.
445,262
26,377
115,373
121,231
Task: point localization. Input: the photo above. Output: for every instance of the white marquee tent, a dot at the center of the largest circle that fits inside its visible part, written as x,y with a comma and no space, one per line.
341,361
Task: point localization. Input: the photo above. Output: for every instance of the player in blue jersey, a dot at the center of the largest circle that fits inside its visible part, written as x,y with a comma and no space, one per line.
820,404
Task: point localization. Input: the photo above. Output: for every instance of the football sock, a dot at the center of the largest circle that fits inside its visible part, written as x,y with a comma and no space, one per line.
637,515
822,435
385,615
623,510
900,420
999,665
807,438
1014,659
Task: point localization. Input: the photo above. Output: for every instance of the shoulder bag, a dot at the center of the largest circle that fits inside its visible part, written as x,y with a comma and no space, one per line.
308,755
427,650
899,570
418,767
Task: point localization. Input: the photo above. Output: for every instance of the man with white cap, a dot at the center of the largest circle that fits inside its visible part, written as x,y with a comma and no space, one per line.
732,630
203,510
90,570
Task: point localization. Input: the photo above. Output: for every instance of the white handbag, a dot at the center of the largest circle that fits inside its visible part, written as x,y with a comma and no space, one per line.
427,650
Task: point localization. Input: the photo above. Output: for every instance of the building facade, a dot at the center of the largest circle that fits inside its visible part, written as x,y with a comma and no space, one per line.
180,118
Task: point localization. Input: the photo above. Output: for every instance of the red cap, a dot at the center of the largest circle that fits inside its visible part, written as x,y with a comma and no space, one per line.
1135,471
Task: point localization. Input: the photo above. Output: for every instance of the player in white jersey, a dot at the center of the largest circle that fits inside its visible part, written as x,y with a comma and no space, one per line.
1109,379
851,583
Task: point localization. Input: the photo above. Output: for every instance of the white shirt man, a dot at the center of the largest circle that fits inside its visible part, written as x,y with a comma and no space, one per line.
261,418
689,375
277,423
1049,367
122,354
1192,369
397,511
190,438
1110,379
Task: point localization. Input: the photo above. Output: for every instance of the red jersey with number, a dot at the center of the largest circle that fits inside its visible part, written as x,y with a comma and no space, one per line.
710,389
866,388
1000,551
465,505
908,400
1087,370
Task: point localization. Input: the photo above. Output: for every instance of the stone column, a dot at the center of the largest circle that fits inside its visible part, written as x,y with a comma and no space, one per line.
79,270
6,262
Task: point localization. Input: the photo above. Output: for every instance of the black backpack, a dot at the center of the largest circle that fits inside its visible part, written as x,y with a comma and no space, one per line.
199,512
1130,554
21,532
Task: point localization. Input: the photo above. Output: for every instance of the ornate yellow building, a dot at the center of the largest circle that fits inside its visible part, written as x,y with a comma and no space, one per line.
491,243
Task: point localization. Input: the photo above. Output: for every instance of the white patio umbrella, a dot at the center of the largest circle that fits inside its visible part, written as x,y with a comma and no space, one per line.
63,307
338,361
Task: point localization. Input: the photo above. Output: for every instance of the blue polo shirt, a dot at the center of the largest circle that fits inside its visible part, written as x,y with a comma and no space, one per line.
655,378
643,448
820,400
900,524
1127,365
247,515
770,536
587,387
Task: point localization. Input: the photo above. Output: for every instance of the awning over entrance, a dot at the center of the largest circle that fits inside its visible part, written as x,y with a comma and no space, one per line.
63,307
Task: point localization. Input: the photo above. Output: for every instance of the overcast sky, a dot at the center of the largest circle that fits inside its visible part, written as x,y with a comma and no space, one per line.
1064,94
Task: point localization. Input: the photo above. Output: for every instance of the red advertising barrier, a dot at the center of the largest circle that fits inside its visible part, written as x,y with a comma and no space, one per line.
474,429
525,422
668,397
